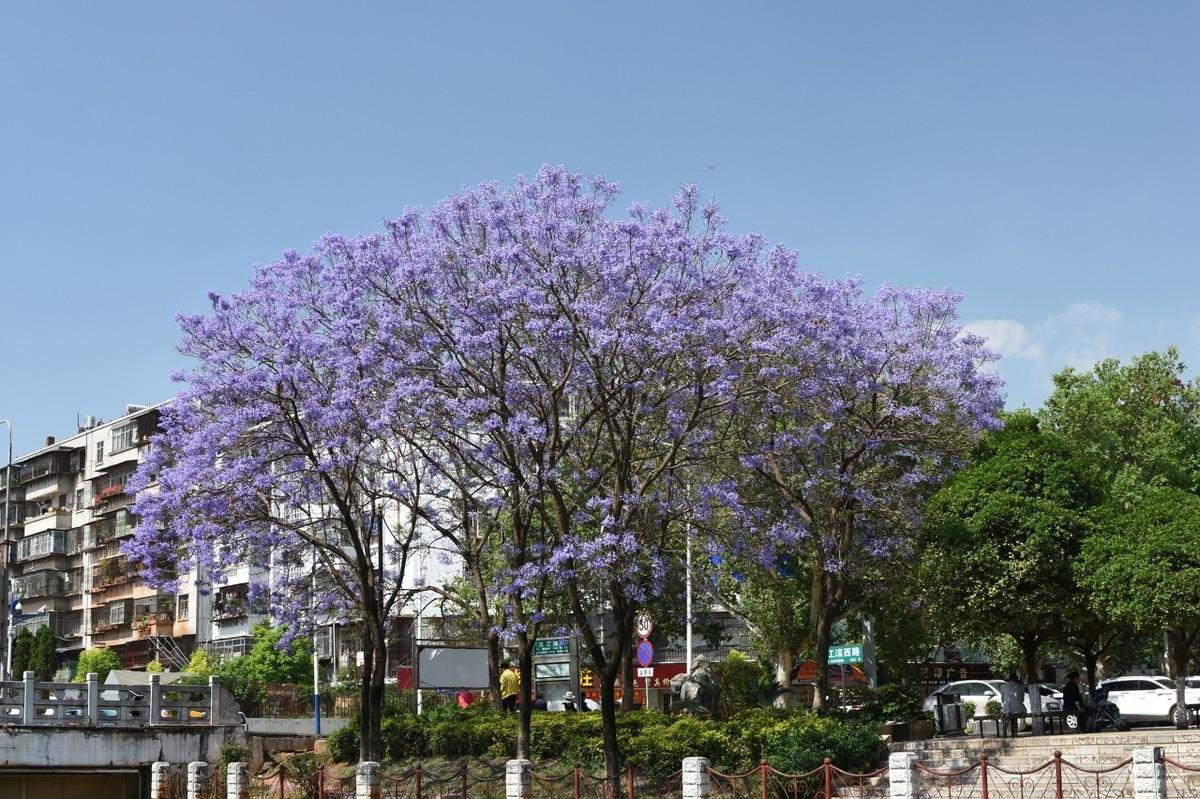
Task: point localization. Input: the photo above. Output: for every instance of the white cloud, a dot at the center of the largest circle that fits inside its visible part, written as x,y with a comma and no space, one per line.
1007,337
1030,353
1078,336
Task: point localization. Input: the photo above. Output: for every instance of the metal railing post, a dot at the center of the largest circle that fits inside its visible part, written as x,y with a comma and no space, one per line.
418,776
629,782
827,774
762,779
1058,792
983,773
575,781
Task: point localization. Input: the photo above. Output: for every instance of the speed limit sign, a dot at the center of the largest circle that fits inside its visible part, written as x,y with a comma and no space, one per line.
643,624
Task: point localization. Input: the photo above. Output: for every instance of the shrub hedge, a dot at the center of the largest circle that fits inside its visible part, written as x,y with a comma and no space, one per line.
791,740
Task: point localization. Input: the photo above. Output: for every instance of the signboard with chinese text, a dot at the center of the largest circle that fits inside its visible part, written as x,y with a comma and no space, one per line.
846,653
551,646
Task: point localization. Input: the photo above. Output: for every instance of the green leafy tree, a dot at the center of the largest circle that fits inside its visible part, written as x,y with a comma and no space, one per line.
268,661
1002,535
201,664
1144,570
101,661
43,654
155,667
22,645
1137,424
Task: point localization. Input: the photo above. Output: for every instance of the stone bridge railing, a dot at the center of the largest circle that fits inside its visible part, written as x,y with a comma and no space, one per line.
92,704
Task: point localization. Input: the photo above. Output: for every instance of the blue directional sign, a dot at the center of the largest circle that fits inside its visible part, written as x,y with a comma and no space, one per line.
645,654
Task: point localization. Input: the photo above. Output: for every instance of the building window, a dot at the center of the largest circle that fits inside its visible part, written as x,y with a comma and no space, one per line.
116,613
99,452
123,437
182,613
78,499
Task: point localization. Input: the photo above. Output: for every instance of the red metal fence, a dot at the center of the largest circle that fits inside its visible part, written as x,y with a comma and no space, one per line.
1055,779
824,782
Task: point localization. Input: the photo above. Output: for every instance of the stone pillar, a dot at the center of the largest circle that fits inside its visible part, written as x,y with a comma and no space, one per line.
518,784
237,781
155,699
160,780
367,783
27,716
696,784
1149,774
214,700
904,781
93,698
197,780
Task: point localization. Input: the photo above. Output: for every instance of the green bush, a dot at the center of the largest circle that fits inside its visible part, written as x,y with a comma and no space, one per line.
344,744
802,741
403,737
101,660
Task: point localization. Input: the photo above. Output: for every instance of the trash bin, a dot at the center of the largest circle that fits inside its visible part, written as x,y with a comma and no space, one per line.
949,715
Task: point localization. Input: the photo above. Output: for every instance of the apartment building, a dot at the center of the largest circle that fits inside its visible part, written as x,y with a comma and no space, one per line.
69,516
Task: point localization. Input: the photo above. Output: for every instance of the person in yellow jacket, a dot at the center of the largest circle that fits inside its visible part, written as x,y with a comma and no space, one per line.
510,686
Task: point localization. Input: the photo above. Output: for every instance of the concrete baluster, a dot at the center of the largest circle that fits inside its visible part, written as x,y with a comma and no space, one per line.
237,781
518,781
27,711
904,781
214,700
367,782
197,780
160,780
1149,773
696,783
93,698
155,699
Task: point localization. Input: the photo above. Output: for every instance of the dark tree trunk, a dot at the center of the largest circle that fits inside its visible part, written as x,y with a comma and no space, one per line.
627,683
1091,662
525,704
1029,652
371,694
493,649
608,721
822,614
1179,643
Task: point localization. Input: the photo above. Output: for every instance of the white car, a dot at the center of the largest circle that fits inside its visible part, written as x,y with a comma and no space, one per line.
1144,698
980,692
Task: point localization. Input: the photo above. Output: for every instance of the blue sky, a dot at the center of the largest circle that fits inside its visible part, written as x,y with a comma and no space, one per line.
1041,158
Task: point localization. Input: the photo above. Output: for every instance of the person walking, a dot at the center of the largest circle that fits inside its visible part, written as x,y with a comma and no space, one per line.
1012,702
1072,701
510,686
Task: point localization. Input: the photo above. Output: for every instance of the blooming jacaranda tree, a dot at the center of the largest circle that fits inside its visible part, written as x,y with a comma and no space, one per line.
272,457
524,366
866,404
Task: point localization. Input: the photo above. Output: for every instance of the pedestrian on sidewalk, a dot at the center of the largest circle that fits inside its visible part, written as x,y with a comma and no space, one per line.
510,686
1012,702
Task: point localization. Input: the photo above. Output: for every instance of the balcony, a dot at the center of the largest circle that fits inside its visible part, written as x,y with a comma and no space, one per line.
39,585
115,571
108,496
42,545
153,624
49,486
52,519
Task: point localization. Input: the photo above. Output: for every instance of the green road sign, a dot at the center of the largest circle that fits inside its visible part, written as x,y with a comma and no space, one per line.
845,653
551,646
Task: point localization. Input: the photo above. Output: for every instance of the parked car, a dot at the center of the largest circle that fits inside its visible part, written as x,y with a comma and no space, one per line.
980,692
1147,698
